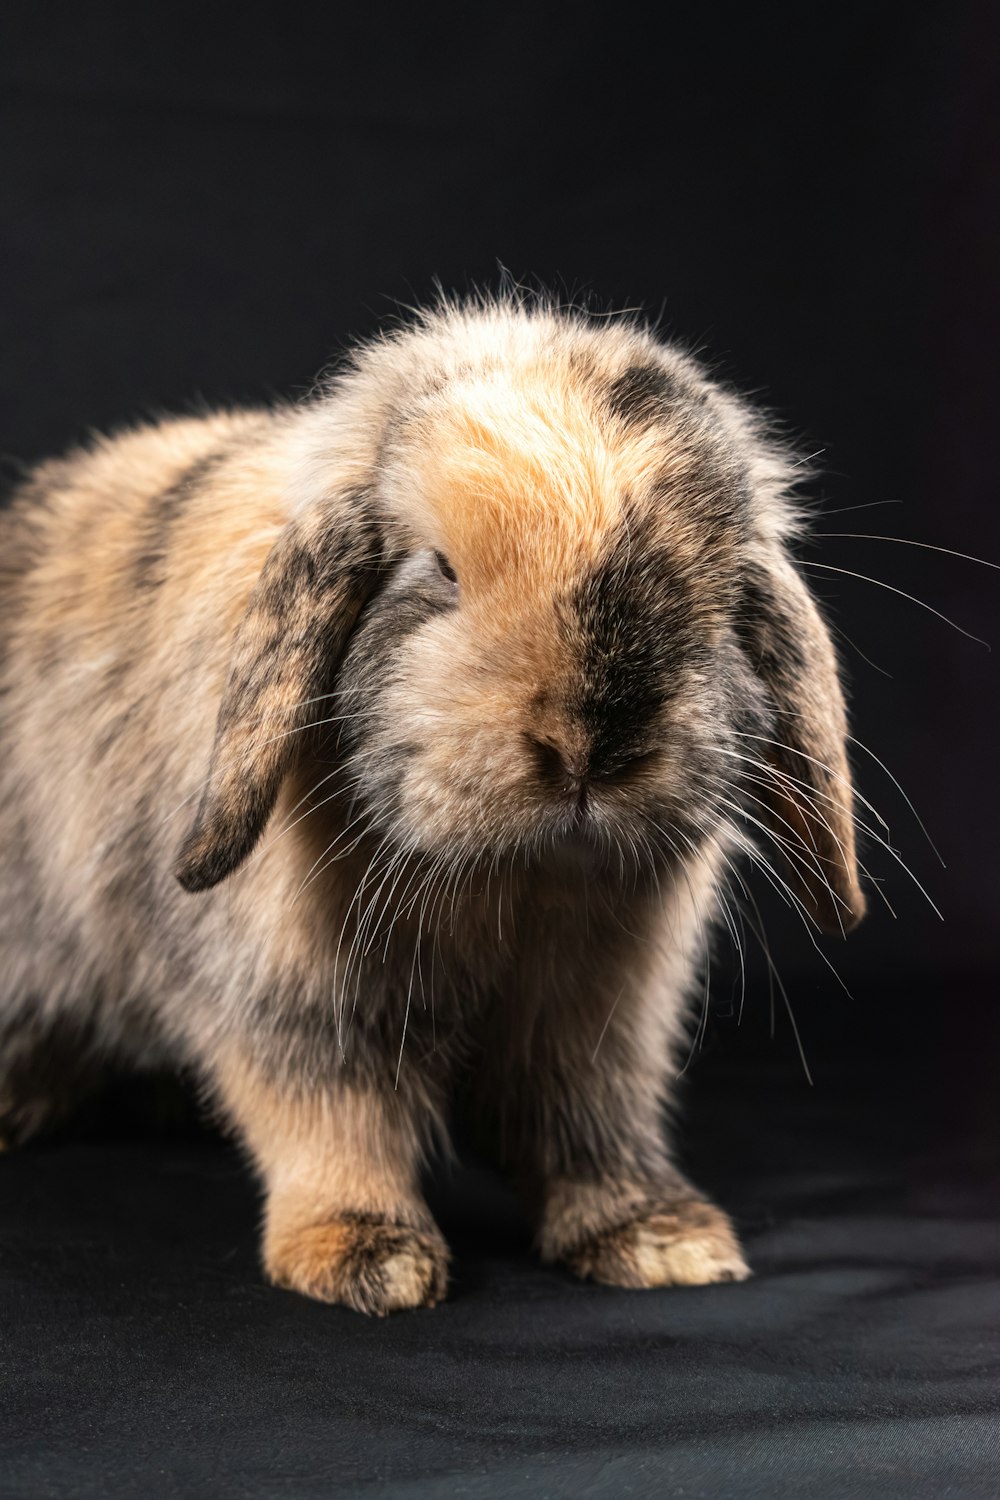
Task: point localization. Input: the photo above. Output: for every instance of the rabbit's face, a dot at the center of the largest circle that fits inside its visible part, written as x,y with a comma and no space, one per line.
543,567
556,663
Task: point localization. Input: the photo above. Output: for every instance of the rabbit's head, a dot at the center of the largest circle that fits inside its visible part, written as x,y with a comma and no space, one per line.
554,608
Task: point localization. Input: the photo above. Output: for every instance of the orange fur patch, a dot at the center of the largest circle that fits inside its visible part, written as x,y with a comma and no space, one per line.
519,484
372,1267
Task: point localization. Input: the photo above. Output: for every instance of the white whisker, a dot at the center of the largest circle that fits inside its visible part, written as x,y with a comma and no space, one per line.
879,583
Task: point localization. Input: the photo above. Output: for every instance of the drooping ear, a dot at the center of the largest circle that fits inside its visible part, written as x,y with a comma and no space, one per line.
311,588
806,789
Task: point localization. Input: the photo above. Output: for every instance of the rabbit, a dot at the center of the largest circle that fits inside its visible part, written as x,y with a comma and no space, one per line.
377,760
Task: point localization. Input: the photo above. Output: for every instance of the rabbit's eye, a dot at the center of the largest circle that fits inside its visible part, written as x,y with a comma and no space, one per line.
446,569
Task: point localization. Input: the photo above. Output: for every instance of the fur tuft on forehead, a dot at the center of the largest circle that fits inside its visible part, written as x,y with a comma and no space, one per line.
509,432
527,469
515,476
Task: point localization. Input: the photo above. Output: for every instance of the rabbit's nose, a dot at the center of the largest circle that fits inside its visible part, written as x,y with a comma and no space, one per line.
559,763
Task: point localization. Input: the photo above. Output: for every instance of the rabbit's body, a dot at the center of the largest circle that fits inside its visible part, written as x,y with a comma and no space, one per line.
497,811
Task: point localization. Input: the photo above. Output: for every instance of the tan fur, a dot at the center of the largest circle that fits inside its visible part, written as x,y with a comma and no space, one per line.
322,1157
410,881
374,1268
629,1240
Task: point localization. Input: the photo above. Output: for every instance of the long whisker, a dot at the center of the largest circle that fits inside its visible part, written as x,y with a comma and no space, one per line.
607,1023
883,843
771,875
776,979
842,633
272,739
906,541
871,832
842,510
878,582
788,848
855,741
835,775
769,786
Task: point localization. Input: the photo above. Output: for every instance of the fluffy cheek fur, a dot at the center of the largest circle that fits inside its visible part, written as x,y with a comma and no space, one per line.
443,726
438,749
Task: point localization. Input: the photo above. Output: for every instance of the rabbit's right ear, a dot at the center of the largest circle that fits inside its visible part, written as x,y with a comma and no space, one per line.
319,573
804,783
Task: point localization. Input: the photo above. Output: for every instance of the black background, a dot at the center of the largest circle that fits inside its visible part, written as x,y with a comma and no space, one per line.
207,202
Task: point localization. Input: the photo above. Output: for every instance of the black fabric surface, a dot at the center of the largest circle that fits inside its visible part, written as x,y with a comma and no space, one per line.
143,1355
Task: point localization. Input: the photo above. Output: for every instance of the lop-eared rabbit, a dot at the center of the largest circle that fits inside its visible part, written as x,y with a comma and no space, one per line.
381,757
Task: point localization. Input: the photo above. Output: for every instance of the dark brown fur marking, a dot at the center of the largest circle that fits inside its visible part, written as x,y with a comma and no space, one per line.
298,619
643,394
164,509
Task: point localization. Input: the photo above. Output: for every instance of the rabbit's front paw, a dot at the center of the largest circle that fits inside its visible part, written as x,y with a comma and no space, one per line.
364,1262
688,1243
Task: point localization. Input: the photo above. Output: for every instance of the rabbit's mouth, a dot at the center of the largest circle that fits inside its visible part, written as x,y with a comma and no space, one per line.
581,810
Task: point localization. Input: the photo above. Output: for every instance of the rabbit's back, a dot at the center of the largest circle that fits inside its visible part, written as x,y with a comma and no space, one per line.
125,567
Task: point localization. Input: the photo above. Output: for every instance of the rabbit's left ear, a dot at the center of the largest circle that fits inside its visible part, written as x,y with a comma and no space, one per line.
805,779
317,576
